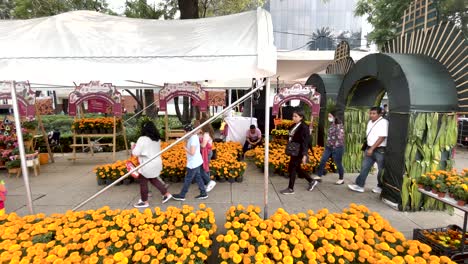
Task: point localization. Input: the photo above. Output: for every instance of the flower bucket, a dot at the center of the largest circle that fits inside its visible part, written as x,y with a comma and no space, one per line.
441,194
43,158
461,202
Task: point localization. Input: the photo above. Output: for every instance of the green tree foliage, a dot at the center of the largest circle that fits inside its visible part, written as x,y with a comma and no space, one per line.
6,9
24,9
141,9
385,15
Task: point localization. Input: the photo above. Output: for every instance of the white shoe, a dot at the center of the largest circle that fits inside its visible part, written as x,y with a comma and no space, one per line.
317,178
210,186
377,190
356,188
339,182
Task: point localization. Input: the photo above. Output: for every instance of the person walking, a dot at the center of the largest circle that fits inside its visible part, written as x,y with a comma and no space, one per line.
146,147
206,148
334,148
194,164
299,134
376,139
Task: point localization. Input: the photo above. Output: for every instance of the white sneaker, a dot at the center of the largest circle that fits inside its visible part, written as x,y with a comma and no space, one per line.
356,188
377,190
317,178
339,182
210,186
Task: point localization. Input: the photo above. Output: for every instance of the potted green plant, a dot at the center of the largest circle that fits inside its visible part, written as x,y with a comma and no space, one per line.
460,195
13,166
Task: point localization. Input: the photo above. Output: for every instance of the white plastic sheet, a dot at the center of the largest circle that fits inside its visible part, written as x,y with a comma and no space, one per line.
237,128
93,46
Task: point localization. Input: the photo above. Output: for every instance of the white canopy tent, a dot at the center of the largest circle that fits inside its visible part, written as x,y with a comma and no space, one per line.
94,46
85,45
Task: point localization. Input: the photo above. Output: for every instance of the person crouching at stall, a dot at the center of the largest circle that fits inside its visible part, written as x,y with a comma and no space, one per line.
194,164
297,148
146,147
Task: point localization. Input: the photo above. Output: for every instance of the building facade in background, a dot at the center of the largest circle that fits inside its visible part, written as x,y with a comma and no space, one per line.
315,25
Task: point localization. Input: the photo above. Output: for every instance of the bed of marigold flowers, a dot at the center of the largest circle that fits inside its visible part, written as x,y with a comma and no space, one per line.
226,165
95,123
109,236
279,161
356,235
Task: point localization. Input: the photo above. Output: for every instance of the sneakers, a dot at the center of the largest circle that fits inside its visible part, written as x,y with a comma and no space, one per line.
141,204
166,198
287,191
317,178
210,186
339,182
356,188
201,196
377,190
178,197
312,186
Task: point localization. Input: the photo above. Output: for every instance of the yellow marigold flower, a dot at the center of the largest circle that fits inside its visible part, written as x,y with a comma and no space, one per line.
288,260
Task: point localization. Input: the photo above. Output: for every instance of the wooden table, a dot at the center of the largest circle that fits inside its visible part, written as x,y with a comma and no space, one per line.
451,202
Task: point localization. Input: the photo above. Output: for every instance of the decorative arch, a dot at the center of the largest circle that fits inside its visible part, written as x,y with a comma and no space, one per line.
307,94
328,86
189,89
414,83
25,96
98,95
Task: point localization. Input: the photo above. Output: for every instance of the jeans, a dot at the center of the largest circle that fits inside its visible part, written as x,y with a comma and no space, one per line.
206,174
144,186
295,168
337,154
367,163
193,174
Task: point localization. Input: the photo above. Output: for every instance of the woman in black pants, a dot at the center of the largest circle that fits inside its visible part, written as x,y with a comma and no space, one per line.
300,134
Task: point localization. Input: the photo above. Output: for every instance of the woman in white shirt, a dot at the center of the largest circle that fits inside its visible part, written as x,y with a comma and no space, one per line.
147,146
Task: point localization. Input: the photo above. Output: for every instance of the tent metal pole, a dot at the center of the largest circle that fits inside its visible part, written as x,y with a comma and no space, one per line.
22,152
211,119
267,147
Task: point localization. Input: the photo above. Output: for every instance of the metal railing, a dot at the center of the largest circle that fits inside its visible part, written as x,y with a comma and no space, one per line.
240,100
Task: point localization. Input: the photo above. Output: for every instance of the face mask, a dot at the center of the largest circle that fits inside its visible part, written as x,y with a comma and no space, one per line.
331,119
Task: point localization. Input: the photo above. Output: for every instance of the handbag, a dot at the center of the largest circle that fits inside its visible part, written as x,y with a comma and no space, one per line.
292,149
364,144
130,167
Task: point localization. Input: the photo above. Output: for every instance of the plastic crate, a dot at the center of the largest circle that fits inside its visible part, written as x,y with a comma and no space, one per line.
438,249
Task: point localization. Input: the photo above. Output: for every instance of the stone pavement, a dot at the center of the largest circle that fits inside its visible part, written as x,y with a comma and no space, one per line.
64,184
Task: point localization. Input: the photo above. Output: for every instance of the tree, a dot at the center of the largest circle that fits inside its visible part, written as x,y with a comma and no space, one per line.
385,15
24,9
190,9
322,39
141,9
6,9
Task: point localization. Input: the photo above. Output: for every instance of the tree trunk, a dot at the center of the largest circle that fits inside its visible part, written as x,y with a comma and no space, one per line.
149,101
188,9
186,110
137,99
177,109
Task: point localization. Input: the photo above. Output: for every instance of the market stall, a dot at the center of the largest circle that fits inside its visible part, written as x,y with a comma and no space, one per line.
306,94
99,98
30,120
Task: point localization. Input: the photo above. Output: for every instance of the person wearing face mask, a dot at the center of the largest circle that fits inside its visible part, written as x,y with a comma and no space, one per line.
334,148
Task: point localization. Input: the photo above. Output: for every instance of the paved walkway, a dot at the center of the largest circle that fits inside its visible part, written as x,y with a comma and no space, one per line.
64,184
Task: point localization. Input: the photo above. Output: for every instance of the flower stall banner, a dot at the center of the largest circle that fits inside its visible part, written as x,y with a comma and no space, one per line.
98,106
94,91
189,89
26,97
307,94
217,98
45,106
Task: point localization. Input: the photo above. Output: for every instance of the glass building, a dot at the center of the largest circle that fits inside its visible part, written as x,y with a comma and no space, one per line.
319,22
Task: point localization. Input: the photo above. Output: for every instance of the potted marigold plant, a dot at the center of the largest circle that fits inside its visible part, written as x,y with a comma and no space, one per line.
461,195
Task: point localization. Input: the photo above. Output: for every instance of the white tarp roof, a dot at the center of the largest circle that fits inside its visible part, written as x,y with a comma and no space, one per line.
86,45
